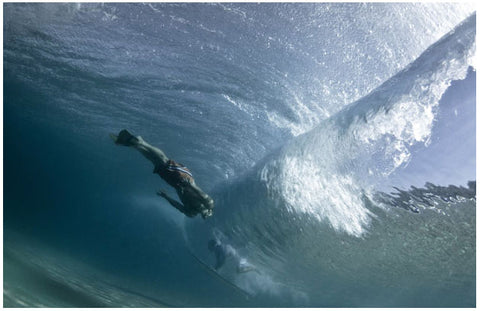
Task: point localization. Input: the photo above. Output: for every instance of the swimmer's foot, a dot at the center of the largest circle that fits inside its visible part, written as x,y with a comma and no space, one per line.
124,138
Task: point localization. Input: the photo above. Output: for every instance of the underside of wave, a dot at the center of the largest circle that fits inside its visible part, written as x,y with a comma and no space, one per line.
328,171
429,197
317,197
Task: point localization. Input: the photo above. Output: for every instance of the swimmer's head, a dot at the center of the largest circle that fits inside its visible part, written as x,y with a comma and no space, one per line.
209,203
206,213
206,207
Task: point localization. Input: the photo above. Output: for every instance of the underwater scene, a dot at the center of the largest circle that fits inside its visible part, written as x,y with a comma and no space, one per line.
336,140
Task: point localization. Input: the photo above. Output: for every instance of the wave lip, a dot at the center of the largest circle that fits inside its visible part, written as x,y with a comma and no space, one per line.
428,197
328,171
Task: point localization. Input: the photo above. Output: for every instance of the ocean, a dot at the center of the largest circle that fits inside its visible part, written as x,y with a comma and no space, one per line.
336,139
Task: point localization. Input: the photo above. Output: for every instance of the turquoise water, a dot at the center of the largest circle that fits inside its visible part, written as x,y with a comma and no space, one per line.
337,140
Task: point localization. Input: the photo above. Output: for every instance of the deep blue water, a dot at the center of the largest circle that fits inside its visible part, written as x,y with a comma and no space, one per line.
337,141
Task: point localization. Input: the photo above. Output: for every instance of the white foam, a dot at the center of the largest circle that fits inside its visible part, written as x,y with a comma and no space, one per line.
306,188
343,70
327,172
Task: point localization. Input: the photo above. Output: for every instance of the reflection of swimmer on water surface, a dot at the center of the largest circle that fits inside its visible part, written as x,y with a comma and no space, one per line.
224,251
221,252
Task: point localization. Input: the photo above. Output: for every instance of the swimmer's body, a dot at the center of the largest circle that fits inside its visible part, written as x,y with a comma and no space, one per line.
193,200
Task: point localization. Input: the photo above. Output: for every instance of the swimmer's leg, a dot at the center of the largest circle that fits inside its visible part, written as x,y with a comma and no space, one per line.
155,155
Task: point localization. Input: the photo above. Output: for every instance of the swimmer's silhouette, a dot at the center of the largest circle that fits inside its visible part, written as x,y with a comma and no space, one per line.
194,200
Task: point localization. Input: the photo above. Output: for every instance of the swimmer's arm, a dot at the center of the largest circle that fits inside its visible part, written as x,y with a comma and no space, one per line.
173,202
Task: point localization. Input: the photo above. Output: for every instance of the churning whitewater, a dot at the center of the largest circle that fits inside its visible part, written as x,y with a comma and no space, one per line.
337,141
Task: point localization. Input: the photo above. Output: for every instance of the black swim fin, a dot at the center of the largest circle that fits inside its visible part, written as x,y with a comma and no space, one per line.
124,138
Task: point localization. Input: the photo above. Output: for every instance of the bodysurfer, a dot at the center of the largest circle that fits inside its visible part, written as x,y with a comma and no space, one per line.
193,200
